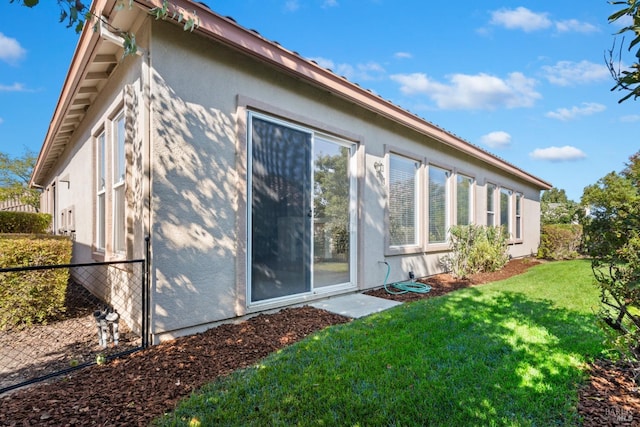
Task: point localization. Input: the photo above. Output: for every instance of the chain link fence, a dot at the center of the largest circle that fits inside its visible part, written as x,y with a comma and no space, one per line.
105,315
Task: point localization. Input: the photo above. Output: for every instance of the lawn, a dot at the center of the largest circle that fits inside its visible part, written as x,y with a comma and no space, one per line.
507,353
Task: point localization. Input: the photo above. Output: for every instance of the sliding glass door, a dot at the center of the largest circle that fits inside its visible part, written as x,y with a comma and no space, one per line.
300,209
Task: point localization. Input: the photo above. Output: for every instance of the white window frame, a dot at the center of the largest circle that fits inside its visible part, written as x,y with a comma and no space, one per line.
518,233
118,191
491,205
509,214
101,191
437,245
416,245
470,201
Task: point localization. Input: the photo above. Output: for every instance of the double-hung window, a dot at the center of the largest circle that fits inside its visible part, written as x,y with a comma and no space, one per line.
491,205
403,201
118,176
519,199
101,193
438,204
464,200
505,210
110,205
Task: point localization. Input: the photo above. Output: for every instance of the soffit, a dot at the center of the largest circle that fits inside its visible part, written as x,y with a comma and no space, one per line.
94,60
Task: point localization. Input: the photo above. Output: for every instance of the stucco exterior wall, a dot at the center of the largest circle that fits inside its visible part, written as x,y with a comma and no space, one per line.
187,103
201,92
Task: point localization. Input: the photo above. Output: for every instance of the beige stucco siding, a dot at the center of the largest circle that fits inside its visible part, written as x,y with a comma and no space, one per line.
201,92
74,175
194,185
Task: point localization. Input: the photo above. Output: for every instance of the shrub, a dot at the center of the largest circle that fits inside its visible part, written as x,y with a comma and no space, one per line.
560,241
24,222
35,296
612,240
476,249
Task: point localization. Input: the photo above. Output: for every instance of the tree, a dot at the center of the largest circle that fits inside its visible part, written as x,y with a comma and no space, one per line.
612,239
626,79
556,208
331,196
77,12
15,174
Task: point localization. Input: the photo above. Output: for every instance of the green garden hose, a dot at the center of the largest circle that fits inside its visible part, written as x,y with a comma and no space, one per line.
404,287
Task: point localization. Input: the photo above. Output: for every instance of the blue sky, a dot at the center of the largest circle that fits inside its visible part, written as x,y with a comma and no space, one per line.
525,80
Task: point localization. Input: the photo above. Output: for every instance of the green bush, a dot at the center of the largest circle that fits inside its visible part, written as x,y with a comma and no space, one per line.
560,241
28,297
24,222
476,249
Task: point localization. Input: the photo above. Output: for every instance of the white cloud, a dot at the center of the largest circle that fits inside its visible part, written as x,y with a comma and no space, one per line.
10,50
291,5
368,71
1,120
497,139
631,118
520,18
329,3
526,20
16,87
569,73
403,55
573,25
473,92
566,114
558,154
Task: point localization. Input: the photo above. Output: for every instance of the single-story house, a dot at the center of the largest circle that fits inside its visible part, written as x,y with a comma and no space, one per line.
260,178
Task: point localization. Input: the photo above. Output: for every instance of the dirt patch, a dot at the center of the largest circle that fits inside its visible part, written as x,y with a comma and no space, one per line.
68,341
138,388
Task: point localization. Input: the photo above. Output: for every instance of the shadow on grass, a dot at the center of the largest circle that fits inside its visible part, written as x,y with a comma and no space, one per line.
472,358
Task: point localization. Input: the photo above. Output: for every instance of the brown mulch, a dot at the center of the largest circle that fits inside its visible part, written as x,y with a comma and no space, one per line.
142,386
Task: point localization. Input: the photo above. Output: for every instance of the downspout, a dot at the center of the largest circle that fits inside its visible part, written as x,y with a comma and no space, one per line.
145,75
145,82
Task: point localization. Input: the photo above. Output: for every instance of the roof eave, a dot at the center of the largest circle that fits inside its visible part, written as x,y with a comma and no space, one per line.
227,32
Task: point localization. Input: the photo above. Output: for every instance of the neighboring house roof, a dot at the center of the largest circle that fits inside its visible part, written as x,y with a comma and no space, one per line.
95,59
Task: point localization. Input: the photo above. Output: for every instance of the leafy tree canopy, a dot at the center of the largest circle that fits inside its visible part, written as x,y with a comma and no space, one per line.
554,195
627,79
15,174
612,240
556,208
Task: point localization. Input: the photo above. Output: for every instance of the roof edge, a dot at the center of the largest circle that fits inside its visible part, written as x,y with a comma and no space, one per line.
228,32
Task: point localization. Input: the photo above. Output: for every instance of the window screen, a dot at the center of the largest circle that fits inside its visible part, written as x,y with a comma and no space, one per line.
403,229
438,201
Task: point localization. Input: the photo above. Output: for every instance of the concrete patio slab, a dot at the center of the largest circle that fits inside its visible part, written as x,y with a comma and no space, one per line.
355,305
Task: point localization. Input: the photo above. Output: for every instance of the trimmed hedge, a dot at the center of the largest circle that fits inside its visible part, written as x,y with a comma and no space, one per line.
24,222
28,297
560,241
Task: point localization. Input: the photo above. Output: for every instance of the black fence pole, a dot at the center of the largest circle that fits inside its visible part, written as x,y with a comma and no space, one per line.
146,294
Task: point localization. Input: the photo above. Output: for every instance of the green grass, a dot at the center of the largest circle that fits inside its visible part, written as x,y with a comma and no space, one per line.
507,353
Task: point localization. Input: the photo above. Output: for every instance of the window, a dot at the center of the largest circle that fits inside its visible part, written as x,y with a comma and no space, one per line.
403,201
101,191
519,198
505,209
464,200
110,228
438,202
118,175
491,210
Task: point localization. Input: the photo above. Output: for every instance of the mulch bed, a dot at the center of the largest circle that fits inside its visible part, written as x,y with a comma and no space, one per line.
138,388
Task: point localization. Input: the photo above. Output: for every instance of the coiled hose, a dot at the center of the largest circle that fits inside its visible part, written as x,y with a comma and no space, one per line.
404,287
